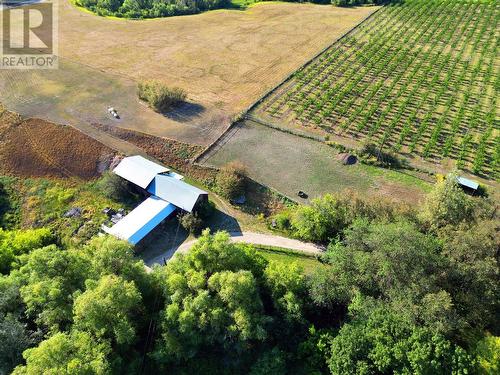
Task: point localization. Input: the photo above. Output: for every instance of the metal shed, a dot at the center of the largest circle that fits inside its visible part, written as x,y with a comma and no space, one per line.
469,184
139,170
179,193
142,220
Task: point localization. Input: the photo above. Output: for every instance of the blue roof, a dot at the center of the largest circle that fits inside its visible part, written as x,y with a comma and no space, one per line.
175,191
468,183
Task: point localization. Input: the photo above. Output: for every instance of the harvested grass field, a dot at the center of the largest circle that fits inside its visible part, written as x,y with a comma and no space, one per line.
289,163
419,77
37,148
224,59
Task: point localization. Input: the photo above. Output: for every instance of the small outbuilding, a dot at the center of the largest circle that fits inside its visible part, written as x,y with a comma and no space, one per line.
468,185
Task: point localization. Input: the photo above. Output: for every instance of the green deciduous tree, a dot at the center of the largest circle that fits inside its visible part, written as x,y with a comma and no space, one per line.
446,204
14,339
379,340
67,353
114,187
49,279
488,355
321,221
18,242
385,259
288,289
213,299
110,256
107,309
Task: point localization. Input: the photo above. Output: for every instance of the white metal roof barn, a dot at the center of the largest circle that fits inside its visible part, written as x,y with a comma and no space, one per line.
168,193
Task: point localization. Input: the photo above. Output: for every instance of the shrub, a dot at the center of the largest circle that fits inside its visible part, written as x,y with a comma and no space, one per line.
192,223
231,180
160,97
447,204
114,186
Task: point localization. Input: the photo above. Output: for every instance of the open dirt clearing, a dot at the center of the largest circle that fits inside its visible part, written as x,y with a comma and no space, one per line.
37,148
224,59
289,163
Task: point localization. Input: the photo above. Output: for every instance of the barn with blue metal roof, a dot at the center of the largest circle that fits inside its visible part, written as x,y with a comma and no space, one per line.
168,194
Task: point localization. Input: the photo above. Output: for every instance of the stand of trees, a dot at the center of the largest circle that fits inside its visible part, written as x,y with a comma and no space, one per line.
166,8
400,291
151,8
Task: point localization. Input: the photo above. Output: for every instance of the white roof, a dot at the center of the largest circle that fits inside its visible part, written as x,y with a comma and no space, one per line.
468,183
142,220
139,170
177,192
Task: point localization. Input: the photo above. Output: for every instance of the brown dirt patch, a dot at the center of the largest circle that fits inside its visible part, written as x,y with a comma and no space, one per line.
38,148
170,152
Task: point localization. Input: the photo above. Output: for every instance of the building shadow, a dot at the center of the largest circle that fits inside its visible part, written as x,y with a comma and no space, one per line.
160,245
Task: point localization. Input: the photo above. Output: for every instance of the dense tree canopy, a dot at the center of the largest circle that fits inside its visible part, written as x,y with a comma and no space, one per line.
106,309
399,292
62,353
166,8
382,341
150,8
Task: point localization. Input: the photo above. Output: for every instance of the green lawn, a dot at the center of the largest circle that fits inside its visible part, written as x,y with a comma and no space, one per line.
308,262
243,4
289,163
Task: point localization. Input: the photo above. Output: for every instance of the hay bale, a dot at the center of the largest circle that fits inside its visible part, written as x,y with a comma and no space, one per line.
348,159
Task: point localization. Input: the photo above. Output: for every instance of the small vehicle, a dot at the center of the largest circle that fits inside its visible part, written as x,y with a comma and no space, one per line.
113,113
302,194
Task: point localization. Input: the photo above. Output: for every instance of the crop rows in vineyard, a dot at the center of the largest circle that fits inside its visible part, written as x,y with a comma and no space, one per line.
420,77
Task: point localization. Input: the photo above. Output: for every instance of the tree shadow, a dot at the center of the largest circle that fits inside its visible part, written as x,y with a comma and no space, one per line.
220,220
184,112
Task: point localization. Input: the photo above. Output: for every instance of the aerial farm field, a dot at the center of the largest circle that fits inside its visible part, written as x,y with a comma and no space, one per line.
37,148
289,163
225,60
419,78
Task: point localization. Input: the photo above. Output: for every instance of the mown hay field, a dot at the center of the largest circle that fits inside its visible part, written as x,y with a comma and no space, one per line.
420,77
224,59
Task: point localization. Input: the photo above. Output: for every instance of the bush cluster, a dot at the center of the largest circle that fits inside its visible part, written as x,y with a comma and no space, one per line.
194,222
231,180
160,97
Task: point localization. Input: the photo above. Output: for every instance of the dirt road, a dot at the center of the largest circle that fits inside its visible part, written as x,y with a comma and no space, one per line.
243,237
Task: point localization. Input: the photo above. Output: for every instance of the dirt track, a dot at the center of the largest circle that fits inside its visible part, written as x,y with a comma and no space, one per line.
244,237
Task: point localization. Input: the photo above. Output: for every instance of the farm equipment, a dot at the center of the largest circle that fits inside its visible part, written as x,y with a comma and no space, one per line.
113,113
